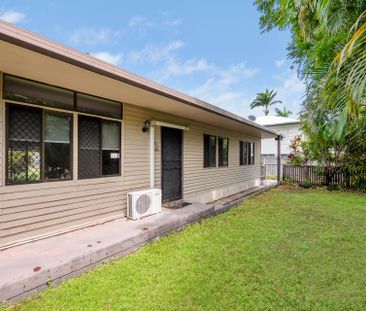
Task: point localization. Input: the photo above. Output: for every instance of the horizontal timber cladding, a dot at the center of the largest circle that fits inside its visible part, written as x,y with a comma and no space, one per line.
199,183
36,210
2,132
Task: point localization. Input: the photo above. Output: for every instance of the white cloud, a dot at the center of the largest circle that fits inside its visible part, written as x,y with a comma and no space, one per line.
223,86
280,62
238,71
167,63
92,36
114,59
226,88
188,67
174,22
155,53
291,91
221,81
12,16
141,24
140,21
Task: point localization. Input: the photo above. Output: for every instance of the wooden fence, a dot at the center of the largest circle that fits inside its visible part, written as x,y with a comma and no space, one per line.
312,173
316,175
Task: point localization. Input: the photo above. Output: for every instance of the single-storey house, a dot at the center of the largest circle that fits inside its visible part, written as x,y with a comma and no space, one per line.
77,134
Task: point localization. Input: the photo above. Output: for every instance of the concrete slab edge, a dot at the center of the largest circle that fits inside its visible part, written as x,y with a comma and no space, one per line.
222,208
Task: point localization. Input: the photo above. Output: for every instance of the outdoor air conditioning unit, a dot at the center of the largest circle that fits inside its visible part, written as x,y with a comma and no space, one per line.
143,203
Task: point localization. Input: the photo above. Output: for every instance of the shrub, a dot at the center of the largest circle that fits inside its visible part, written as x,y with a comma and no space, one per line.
289,181
332,187
305,184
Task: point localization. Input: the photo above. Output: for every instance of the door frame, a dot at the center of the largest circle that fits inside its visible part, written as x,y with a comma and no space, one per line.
182,163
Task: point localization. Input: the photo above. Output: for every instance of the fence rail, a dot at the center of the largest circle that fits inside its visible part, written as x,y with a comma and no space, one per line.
312,173
317,175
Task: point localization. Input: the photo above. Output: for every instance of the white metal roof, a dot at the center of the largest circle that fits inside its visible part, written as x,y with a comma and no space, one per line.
275,120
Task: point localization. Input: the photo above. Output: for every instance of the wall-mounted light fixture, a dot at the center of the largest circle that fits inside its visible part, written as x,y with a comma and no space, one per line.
146,126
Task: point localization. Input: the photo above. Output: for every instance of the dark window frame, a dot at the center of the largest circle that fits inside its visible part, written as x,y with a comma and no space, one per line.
74,112
43,110
75,93
100,120
241,152
252,153
36,100
207,158
71,137
246,153
243,149
220,152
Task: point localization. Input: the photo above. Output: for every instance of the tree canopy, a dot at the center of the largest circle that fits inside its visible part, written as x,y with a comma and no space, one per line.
328,48
283,112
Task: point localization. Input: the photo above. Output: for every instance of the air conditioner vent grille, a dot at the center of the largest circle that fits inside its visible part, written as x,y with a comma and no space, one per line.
143,204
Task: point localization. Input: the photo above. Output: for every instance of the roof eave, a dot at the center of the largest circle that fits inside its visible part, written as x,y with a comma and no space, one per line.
31,41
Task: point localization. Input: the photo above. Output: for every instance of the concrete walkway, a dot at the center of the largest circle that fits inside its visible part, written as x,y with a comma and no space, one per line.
30,268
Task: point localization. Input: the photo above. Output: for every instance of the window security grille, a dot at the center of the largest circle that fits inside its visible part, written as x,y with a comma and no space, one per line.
223,151
89,147
24,144
209,150
247,154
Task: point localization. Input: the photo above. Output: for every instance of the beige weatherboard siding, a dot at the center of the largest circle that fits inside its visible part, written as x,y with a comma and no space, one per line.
36,210
200,184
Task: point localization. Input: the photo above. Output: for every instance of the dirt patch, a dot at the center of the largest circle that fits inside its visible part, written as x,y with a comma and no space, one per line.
288,187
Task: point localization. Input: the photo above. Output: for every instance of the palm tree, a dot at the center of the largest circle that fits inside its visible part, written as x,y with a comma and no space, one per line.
345,83
283,113
265,99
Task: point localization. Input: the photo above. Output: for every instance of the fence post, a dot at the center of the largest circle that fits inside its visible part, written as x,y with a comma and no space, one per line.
279,138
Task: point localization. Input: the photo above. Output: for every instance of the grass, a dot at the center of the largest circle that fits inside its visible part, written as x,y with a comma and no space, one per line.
282,250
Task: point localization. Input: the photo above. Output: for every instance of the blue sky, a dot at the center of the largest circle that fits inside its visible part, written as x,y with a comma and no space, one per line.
212,50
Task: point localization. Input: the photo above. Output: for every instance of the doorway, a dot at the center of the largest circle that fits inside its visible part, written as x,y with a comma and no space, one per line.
171,163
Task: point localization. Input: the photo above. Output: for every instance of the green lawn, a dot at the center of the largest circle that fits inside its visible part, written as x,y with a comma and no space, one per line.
282,250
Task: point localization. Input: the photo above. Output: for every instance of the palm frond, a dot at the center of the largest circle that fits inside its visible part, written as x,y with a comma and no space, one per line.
345,86
265,99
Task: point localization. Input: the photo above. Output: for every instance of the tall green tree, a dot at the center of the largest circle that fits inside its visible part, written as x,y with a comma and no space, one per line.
265,99
328,47
283,112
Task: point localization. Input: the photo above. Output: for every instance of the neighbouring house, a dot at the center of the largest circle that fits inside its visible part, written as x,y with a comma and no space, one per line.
288,128
77,134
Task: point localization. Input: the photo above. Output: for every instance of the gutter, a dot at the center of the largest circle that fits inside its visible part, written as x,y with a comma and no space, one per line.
279,124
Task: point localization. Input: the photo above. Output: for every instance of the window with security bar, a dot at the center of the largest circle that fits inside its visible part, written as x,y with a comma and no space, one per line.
209,151
99,147
39,133
223,151
247,153
38,145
